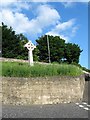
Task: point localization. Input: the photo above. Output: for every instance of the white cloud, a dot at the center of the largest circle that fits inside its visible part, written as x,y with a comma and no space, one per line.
46,16
66,30
65,25
66,38
7,17
59,0
68,4
74,29
6,3
14,5
17,20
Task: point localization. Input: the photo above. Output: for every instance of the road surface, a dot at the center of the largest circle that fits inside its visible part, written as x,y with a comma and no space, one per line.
71,110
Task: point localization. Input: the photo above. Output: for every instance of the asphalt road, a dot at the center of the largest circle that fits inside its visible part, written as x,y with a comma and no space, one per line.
45,111
71,110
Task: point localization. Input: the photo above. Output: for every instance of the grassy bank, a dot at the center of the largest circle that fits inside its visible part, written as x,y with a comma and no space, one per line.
18,69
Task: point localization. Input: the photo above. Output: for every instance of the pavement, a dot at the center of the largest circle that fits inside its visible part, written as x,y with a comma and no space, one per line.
70,110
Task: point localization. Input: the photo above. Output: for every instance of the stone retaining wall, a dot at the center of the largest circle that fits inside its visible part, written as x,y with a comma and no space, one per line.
47,90
12,60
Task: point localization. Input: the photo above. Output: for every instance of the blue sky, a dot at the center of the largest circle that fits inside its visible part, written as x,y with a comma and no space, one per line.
68,20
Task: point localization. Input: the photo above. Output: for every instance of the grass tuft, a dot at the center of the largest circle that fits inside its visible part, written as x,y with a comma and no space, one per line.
16,69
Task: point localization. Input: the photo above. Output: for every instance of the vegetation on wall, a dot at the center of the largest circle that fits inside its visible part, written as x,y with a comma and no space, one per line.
18,69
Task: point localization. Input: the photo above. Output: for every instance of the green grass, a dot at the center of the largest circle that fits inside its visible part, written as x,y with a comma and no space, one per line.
0,68
17,69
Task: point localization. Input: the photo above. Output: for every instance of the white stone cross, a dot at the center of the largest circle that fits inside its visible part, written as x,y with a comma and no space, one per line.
30,46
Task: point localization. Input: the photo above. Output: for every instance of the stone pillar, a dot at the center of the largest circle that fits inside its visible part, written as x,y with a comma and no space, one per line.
30,46
30,57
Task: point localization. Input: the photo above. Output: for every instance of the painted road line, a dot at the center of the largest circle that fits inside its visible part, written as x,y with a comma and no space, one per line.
85,108
81,106
77,103
88,105
84,103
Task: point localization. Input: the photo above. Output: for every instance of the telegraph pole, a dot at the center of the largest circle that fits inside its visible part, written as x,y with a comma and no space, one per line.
48,49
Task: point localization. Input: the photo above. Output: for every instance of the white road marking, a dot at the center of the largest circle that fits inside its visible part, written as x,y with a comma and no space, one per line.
77,103
88,105
83,105
86,108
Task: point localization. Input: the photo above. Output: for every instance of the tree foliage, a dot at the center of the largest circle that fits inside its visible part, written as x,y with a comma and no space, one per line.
56,45
13,44
72,53
13,47
59,50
